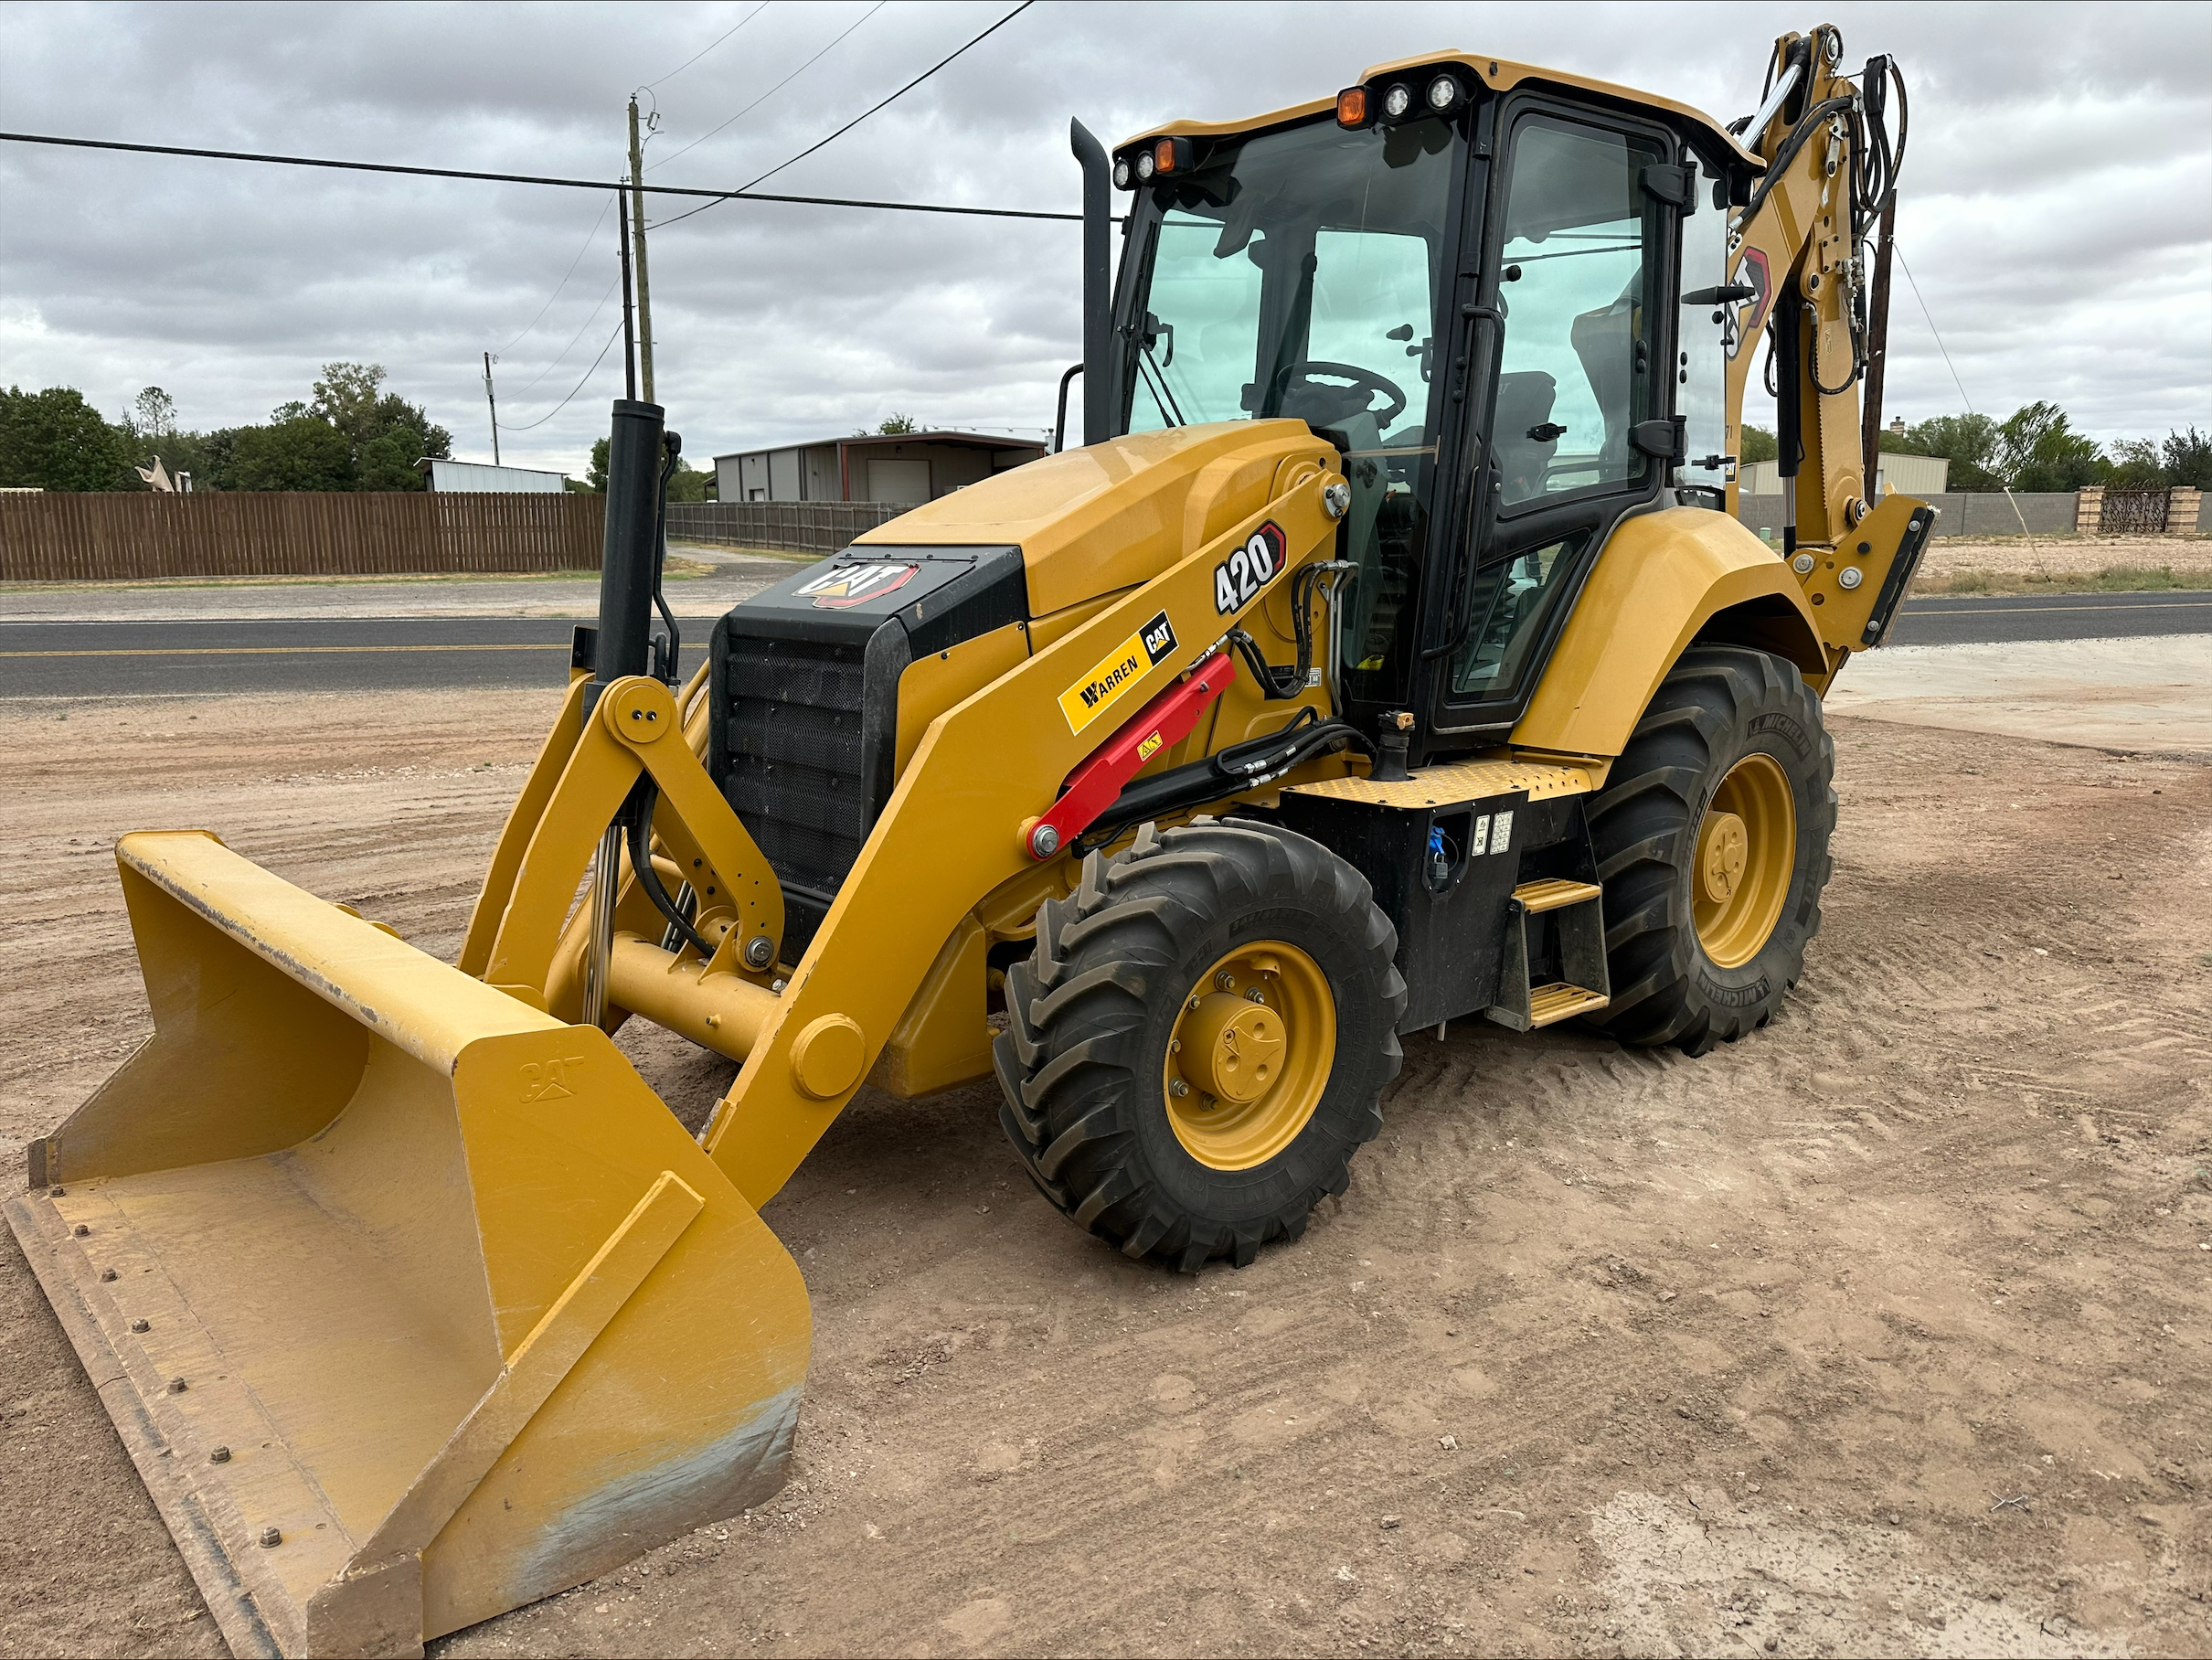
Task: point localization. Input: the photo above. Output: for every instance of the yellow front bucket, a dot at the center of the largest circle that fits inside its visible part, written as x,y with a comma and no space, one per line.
411,1303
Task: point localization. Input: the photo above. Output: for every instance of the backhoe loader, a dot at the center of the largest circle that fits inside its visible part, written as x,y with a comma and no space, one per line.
1386,654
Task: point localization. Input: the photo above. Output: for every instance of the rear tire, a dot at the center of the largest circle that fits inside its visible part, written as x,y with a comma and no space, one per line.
1732,733
1164,944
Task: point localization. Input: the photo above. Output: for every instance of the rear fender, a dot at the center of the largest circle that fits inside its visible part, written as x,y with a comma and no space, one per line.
1663,582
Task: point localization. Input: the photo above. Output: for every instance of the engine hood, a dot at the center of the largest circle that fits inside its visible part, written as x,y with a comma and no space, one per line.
1114,514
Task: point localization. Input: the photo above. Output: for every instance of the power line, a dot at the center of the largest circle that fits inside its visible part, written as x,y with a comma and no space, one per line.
564,280
565,350
856,120
1931,327
903,91
708,46
746,195
579,386
771,92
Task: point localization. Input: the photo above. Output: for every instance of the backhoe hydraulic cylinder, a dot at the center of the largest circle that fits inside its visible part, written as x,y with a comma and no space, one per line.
630,565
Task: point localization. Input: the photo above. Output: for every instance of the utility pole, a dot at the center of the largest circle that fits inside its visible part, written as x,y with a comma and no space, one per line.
637,223
494,404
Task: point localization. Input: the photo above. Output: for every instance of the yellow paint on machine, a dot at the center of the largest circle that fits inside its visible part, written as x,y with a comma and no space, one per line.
1106,684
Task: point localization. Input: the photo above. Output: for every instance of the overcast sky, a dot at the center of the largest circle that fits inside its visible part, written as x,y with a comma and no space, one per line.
2056,207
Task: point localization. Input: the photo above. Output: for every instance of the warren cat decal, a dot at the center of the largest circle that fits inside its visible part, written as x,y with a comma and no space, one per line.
1238,579
1117,673
850,585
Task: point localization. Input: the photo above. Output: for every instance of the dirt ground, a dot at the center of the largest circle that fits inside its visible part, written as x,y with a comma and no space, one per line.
2189,556
1885,1330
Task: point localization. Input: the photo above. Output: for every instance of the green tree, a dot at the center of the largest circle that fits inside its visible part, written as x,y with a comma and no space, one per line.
1756,443
896,424
2188,459
2038,450
1967,442
301,452
689,484
384,434
152,415
54,440
2134,464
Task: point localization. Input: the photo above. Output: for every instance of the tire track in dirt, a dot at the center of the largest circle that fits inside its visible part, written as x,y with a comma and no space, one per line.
1927,1242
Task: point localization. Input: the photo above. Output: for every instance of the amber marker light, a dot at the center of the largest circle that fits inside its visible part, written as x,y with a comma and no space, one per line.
1164,156
1352,107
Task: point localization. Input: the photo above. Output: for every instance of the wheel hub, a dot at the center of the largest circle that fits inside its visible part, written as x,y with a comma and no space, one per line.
1746,859
1724,850
1249,1054
1232,1048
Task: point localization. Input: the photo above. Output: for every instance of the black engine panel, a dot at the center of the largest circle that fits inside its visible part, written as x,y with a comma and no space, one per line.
805,687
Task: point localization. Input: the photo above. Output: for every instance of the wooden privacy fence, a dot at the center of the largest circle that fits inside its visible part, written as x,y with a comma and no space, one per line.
793,527
126,536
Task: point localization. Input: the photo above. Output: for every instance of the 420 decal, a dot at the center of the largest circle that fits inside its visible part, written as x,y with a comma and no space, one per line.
1238,579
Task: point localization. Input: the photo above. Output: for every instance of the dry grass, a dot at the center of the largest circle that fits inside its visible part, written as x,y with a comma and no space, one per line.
2111,579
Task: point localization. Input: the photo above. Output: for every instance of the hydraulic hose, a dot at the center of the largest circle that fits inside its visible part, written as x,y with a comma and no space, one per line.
641,864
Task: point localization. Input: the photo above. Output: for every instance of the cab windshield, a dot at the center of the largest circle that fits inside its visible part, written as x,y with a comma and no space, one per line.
1298,274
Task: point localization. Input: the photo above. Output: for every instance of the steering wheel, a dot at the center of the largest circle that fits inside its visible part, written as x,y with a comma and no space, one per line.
1366,383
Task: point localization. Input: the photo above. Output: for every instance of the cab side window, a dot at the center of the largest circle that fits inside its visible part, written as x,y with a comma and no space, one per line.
1577,287
1579,278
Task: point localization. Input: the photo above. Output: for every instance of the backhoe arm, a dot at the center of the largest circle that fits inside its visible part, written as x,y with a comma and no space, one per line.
1809,258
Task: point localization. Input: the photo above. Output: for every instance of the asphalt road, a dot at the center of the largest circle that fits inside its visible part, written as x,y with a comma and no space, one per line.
330,654
318,655
1974,619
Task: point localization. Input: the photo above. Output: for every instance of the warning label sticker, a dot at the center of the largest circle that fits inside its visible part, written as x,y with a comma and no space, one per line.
1117,673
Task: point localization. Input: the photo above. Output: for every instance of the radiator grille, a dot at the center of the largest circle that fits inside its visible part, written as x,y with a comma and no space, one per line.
795,769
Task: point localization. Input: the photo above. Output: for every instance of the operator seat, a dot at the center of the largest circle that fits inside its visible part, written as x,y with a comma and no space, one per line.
1524,400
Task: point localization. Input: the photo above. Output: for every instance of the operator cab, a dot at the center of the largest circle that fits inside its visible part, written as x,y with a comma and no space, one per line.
1468,278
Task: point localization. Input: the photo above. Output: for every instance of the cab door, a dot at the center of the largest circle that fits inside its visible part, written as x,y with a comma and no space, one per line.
1574,325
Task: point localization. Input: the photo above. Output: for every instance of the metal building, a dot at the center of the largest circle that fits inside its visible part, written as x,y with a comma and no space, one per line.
896,467
475,475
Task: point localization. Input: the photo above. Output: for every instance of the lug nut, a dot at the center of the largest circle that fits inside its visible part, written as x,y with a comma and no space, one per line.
1226,981
221,1455
1177,1088
141,1326
1252,994
270,1538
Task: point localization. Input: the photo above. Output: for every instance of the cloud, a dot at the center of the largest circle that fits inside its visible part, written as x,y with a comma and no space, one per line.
2057,208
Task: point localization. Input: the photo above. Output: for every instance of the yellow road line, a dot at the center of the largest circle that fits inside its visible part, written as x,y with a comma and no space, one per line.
274,651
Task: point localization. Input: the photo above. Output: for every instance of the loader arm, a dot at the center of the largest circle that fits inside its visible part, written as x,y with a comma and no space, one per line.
954,830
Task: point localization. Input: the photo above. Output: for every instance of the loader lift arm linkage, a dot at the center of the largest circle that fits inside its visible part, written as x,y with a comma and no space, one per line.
1386,655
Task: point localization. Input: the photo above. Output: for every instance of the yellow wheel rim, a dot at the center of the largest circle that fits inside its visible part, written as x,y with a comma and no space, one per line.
1747,853
1249,1054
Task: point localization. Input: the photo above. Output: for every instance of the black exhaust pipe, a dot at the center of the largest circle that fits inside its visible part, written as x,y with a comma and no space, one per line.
1097,284
630,564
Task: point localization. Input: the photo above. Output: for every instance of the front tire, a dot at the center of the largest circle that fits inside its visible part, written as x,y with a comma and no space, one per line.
1711,839
1199,1042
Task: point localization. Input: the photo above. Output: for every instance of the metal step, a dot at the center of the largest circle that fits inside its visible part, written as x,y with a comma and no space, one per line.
1548,1004
1555,893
